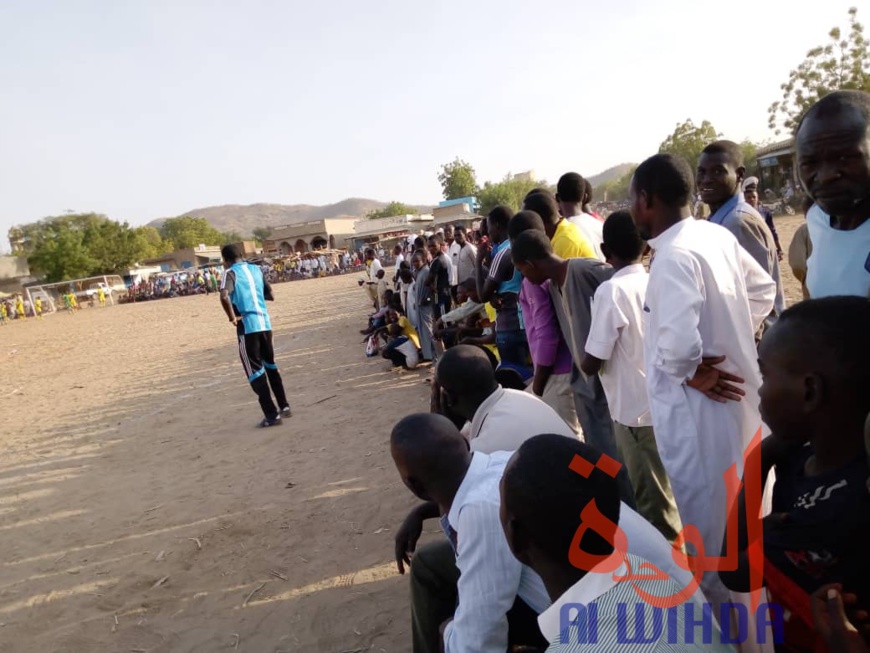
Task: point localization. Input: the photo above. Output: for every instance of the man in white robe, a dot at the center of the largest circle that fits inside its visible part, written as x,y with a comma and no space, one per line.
705,300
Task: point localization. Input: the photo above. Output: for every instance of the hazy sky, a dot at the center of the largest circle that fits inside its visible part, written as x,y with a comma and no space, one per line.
143,109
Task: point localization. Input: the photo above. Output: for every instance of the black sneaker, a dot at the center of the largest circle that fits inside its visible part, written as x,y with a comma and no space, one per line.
266,423
286,412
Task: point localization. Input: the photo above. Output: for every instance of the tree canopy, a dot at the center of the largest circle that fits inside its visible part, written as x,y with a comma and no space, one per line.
391,209
186,231
510,191
84,244
457,179
844,63
688,140
262,233
615,190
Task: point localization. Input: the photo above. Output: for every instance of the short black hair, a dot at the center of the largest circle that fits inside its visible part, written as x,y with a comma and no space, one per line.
545,496
464,370
501,216
728,148
535,191
531,245
834,330
461,228
523,221
835,102
544,204
571,188
438,238
621,236
667,177
419,242
231,253
587,197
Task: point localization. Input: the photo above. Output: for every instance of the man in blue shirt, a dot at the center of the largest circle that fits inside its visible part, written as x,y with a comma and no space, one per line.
720,175
244,292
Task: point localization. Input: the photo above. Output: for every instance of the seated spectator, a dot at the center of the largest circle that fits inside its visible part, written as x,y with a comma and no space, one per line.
544,491
404,349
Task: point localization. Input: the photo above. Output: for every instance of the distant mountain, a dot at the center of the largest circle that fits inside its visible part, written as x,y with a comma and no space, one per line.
610,174
244,219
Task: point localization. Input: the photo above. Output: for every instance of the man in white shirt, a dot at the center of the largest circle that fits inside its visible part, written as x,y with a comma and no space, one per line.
373,266
494,589
614,351
706,298
833,156
400,257
465,257
452,253
553,493
570,192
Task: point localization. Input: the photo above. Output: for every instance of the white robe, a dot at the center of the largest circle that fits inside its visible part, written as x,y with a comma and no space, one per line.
706,297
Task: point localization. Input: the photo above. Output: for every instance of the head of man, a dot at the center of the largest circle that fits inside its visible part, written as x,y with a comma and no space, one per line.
406,275
622,244
544,204
570,192
434,245
418,260
532,255
231,254
523,221
431,456
548,484
467,290
370,254
587,195
448,234
720,172
497,223
397,250
750,192
815,368
833,153
466,378
660,194
460,235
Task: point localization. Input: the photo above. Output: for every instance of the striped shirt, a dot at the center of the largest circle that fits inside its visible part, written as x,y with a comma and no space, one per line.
599,613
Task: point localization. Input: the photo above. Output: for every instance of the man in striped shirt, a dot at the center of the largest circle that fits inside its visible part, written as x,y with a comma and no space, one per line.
560,512
243,294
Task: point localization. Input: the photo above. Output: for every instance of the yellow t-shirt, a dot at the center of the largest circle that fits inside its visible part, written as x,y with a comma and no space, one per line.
409,330
490,314
569,242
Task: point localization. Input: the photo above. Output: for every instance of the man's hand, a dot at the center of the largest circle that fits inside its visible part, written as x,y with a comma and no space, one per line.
779,255
714,383
235,320
406,539
839,633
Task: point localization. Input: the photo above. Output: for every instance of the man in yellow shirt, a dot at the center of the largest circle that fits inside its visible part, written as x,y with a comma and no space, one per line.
404,349
37,308
566,237
19,309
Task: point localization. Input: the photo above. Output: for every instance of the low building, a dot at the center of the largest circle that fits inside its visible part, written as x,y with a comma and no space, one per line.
328,233
387,232
456,212
191,257
776,165
14,274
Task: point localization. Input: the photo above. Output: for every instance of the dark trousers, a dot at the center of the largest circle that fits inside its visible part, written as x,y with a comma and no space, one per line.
434,596
258,359
513,347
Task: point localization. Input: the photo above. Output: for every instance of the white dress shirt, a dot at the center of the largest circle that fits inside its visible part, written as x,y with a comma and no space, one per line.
453,256
374,267
510,417
706,297
490,578
616,337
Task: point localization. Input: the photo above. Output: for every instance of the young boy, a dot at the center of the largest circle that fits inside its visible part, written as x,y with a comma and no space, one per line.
614,351
404,349
815,365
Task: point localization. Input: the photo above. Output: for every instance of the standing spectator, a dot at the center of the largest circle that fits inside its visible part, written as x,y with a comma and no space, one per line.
423,301
834,166
752,197
706,298
570,194
466,255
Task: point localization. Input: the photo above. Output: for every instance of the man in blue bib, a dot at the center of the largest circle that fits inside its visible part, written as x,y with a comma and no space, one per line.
244,292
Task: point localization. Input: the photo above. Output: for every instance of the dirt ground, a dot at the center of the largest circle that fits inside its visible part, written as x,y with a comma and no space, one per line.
141,511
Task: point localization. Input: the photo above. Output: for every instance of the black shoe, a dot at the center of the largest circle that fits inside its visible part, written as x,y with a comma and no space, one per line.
286,412
266,423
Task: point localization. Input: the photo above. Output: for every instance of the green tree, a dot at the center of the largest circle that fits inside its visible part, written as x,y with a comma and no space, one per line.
150,242
509,192
58,250
457,179
262,233
688,140
391,209
844,63
186,231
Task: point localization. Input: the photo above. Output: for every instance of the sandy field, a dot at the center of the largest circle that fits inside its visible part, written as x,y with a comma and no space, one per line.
141,511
